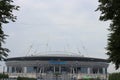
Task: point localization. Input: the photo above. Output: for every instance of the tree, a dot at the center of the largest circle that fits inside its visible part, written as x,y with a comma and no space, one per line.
6,15
114,76
110,10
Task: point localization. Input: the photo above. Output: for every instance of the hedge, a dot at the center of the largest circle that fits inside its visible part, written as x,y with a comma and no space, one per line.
114,76
25,78
3,76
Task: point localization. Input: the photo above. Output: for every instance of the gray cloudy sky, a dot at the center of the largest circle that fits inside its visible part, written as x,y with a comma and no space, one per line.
57,25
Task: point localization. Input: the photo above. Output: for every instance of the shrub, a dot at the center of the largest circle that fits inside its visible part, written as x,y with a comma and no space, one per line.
25,78
114,76
3,76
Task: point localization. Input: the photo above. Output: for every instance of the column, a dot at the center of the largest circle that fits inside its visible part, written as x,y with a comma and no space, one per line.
88,70
104,71
25,69
76,70
7,69
59,69
43,69
73,70
98,72
10,69
15,70
54,68
40,70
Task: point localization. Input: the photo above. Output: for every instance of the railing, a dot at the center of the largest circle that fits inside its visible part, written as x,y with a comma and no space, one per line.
15,75
51,75
81,75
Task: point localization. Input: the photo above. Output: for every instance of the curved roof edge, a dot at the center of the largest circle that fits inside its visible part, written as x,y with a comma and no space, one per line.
60,58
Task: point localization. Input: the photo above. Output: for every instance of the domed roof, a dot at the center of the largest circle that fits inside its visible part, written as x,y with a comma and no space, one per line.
57,54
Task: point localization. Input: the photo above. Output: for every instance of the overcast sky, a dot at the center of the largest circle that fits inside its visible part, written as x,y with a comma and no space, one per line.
57,25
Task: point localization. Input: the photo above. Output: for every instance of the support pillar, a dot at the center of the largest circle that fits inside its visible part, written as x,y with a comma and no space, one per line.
88,70
59,69
104,71
76,70
73,70
43,70
40,70
54,69
7,69
25,69
10,69
15,70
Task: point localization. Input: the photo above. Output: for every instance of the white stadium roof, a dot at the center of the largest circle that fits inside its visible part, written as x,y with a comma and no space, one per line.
58,54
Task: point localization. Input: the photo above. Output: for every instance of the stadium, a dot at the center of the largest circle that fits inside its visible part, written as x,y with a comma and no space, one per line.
57,66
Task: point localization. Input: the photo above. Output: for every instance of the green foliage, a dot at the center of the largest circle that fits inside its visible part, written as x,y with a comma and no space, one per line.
57,73
3,76
91,79
25,78
114,76
110,10
6,15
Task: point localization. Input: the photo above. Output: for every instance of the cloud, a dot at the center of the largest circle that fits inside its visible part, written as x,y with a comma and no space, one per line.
59,23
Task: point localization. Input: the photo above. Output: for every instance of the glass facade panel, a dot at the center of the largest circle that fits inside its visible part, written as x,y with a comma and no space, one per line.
100,70
81,70
13,69
31,69
57,69
19,69
97,70
84,69
78,69
50,69
105,70
63,69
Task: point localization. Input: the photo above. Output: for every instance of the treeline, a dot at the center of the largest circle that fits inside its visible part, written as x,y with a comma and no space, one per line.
3,76
114,76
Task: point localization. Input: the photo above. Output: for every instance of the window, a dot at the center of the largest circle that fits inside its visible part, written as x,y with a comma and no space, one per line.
7,69
50,69
95,70
64,69
81,70
84,69
100,70
13,69
30,69
19,69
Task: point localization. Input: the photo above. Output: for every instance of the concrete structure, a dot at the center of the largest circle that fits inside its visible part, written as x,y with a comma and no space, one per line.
61,66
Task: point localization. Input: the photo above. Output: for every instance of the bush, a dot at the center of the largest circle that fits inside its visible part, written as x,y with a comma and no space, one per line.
91,79
25,78
3,76
114,76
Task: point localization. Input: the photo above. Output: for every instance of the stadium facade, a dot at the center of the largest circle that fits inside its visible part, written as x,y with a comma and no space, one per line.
62,66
